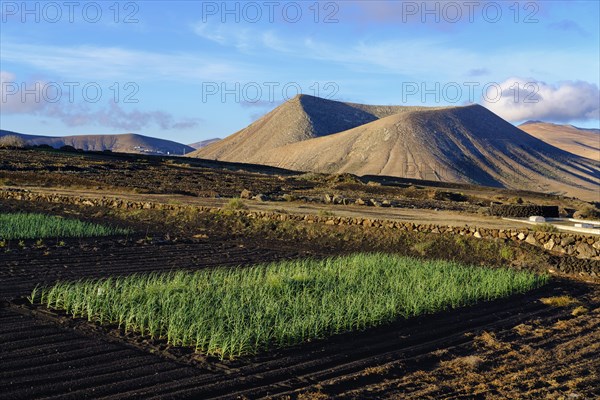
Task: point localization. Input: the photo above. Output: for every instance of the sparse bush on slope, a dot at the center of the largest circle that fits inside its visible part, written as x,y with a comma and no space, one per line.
12,142
588,212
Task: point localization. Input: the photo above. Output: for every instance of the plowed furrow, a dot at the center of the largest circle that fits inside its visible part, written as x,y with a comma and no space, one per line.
344,360
94,381
105,385
27,343
106,364
25,334
43,349
192,385
74,358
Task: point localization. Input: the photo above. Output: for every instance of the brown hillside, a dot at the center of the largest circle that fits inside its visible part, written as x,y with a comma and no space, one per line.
454,144
461,144
203,143
301,118
583,142
123,143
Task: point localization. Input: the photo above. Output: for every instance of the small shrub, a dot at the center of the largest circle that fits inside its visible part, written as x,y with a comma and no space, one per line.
580,310
587,212
311,176
549,228
422,248
343,178
483,211
325,213
559,301
507,253
12,142
236,204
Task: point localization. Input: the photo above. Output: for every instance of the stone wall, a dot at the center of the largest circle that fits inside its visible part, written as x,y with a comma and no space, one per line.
580,246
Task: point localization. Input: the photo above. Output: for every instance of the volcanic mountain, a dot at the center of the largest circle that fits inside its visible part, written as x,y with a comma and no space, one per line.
123,143
301,118
466,144
580,141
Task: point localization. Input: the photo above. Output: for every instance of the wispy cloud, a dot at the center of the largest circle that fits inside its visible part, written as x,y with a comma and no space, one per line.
440,59
80,113
478,72
423,57
245,38
434,15
567,25
114,116
97,63
238,36
272,41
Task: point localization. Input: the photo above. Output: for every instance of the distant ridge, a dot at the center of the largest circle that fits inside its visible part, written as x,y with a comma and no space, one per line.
124,143
466,144
530,122
203,143
581,141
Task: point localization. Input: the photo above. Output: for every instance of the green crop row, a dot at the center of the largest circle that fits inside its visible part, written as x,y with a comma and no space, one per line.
40,226
230,312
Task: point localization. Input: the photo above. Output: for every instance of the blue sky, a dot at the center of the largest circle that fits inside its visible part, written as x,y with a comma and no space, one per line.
192,70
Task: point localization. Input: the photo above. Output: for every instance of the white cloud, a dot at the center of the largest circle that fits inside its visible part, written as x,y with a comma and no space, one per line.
525,99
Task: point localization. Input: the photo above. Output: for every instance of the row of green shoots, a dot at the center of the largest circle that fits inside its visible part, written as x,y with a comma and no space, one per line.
232,312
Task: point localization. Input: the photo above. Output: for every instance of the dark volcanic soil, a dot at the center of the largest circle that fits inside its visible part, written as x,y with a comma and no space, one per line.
474,350
513,348
204,178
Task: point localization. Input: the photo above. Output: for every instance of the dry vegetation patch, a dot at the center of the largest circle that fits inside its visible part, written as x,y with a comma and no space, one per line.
559,301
